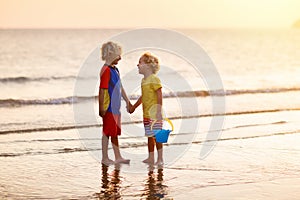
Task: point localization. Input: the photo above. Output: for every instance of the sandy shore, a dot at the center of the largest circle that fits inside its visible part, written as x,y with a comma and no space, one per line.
241,166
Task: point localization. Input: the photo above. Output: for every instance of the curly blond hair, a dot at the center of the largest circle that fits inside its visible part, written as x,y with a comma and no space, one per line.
152,61
110,48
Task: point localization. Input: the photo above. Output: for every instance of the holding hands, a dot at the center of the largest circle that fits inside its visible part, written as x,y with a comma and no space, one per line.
130,108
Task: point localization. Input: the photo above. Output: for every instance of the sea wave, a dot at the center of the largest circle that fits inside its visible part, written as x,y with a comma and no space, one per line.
24,79
50,101
68,127
200,93
22,102
203,93
125,145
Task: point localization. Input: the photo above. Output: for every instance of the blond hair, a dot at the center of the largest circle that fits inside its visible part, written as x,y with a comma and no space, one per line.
110,48
152,61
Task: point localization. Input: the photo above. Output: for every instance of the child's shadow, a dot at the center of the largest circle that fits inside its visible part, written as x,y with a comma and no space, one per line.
110,188
154,187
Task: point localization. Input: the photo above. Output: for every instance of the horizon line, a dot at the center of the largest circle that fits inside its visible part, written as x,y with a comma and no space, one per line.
145,27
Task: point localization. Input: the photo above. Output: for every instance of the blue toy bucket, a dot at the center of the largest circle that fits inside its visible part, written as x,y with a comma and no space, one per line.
162,135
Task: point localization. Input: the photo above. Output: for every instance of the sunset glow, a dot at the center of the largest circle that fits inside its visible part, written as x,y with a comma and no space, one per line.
155,13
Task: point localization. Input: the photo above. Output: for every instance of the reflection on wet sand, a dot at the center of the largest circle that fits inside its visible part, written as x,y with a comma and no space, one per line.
111,183
110,188
154,187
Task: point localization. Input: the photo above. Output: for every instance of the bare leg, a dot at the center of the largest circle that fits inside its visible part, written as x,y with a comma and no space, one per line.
151,143
118,157
105,158
159,147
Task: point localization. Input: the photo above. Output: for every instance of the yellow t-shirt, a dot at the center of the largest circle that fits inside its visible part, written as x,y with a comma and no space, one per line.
149,97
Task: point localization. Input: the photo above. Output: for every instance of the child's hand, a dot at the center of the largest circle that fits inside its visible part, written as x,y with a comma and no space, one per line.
102,113
130,108
159,116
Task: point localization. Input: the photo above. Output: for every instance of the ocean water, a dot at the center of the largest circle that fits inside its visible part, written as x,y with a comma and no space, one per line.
39,69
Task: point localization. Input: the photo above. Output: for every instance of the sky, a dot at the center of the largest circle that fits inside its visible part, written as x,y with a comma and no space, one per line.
148,13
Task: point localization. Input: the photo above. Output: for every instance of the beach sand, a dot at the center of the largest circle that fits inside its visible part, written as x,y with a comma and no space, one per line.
259,160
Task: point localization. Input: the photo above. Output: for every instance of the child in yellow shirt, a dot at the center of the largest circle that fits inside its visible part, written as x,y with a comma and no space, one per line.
151,99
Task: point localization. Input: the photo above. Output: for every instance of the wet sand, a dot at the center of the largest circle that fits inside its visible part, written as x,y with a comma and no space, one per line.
259,160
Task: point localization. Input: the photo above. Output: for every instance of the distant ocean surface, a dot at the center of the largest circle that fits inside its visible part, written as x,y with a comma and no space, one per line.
39,69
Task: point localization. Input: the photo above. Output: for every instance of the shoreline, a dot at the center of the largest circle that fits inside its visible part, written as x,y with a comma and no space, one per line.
250,168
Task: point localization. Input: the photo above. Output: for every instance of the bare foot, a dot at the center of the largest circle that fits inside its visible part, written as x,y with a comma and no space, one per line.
107,162
149,161
159,163
122,160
